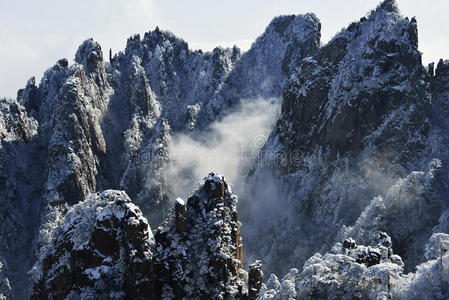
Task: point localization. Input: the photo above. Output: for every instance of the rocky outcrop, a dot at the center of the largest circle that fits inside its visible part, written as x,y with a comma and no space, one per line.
101,250
348,271
198,250
90,56
366,87
15,125
439,86
365,272
255,279
439,76
72,135
104,248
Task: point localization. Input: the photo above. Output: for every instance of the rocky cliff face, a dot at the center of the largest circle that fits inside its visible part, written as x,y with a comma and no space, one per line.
356,123
104,248
342,99
199,248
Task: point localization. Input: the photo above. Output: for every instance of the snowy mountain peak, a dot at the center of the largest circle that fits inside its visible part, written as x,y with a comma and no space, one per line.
287,24
350,73
89,54
389,6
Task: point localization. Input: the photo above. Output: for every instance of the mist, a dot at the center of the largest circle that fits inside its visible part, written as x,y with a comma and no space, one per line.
228,147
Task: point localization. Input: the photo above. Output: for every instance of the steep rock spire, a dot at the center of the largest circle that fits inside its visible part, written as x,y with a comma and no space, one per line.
198,250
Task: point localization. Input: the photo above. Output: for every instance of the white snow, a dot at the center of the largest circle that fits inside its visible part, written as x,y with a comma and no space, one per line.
180,201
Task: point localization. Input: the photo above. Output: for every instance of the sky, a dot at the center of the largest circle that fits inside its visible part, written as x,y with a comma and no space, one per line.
35,34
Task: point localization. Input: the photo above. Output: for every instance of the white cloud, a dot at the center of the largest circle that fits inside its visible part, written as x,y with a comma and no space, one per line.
228,147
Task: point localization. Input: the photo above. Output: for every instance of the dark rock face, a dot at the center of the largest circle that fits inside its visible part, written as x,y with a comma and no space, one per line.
440,91
204,260
101,250
104,249
180,215
255,279
342,99
75,131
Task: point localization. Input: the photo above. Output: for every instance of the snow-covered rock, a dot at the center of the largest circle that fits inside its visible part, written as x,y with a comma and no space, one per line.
102,249
349,271
5,287
343,274
204,257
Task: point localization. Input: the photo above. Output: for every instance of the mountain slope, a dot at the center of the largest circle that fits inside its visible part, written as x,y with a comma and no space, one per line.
98,125
356,123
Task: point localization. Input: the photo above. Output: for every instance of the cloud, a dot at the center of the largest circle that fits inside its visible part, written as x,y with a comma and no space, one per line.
227,147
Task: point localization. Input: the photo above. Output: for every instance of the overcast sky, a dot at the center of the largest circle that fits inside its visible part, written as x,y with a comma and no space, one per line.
35,34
